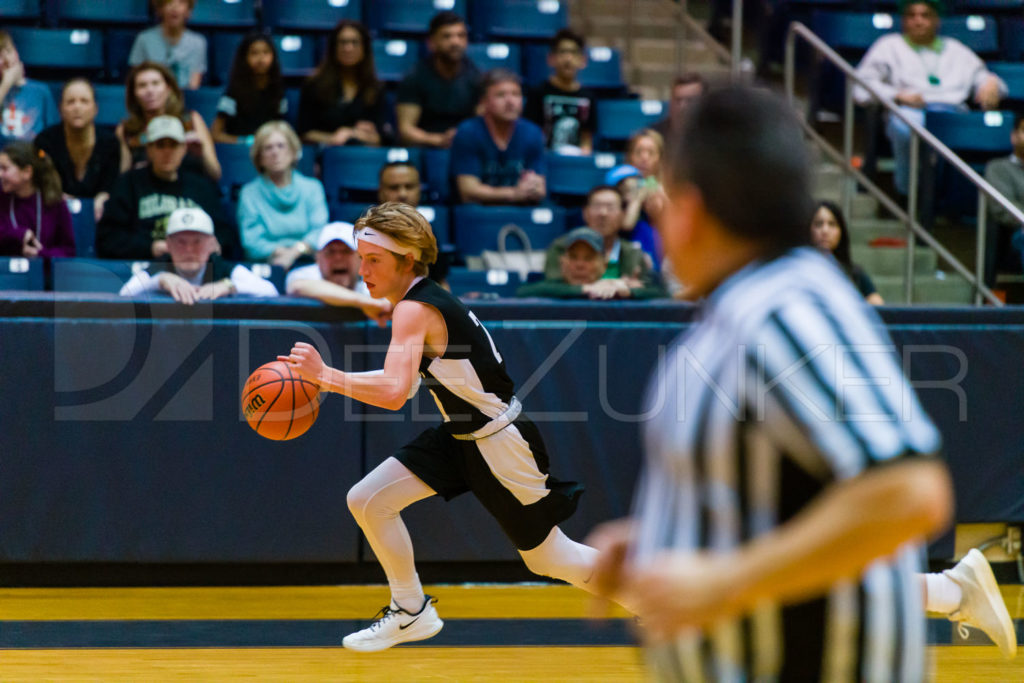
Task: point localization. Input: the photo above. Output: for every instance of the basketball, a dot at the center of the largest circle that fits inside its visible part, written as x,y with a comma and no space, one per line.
278,404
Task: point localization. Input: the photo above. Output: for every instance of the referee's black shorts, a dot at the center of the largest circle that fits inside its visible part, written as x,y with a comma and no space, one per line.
507,471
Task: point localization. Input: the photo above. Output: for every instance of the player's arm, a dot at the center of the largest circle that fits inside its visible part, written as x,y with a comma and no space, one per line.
388,389
836,537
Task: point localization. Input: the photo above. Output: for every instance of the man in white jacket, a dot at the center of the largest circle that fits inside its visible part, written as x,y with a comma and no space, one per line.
921,71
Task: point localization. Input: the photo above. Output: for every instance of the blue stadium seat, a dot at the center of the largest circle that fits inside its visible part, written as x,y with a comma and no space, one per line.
66,50
980,33
408,16
110,102
394,58
1013,75
20,10
618,119
988,6
297,55
475,284
972,131
224,14
107,12
574,176
346,211
293,95
852,33
220,55
489,56
204,100
83,223
602,72
81,274
436,174
17,273
976,137
237,168
309,15
118,45
356,169
1012,39
522,19
476,227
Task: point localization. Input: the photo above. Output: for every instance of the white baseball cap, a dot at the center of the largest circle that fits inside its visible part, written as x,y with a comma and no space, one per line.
189,220
165,127
339,230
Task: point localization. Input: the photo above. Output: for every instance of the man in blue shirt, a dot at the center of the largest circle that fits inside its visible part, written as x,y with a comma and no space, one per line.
498,158
26,107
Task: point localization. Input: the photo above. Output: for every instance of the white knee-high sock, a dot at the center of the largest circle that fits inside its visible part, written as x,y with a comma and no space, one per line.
942,594
560,557
375,503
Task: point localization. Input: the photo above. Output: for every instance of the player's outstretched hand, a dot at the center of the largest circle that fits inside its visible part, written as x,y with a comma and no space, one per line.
305,362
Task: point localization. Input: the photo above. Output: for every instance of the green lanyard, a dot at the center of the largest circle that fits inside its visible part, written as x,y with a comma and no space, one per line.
936,46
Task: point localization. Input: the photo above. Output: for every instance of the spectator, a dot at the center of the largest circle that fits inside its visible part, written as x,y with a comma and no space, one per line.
645,198
343,101
581,267
443,90
498,158
134,223
399,182
1004,233
171,44
255,92
685,89
27,106
334,278
829,234
919,71
561,106
34,220
87,157
281,211
151,91
192,271
624,261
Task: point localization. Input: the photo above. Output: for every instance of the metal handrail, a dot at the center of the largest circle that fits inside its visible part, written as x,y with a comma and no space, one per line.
918,132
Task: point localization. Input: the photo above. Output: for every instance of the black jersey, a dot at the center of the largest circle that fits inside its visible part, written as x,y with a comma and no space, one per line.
469,382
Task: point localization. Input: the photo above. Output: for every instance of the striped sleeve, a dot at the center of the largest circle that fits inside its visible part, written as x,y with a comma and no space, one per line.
835,389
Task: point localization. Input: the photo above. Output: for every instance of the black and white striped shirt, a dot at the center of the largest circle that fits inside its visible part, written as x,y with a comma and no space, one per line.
787,384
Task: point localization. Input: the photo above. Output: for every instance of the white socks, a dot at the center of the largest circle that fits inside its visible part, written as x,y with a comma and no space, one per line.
942,594
407,594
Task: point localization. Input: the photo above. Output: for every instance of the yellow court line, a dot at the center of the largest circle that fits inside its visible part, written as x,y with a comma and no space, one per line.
515,601
325,664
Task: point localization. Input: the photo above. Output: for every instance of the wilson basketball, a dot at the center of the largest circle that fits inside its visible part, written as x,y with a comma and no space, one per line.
278,404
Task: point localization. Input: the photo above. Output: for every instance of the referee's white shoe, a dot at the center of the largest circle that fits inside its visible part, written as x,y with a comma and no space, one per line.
982,606
395,625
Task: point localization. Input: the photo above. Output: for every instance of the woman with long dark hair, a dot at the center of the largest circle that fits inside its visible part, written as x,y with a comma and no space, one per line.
343,101
151,91
255,92
829,233
34,220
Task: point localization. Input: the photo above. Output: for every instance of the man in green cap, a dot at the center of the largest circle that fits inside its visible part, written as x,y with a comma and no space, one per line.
921,71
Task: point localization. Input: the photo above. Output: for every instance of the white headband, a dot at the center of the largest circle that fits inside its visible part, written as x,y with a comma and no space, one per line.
387,242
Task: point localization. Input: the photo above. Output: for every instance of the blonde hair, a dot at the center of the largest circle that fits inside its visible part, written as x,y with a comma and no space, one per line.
405,225
268,129
656,138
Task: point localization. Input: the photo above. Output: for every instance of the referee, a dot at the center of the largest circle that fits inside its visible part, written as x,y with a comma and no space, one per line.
790,468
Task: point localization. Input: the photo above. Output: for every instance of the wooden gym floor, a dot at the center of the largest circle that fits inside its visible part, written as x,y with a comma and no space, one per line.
492,633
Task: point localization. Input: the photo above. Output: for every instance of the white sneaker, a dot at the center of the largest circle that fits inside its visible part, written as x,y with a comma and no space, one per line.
982,606
394,625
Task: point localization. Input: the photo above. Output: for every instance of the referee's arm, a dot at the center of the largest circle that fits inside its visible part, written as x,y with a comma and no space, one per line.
845,529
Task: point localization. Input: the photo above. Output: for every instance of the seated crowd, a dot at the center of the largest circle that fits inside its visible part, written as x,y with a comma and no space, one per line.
162,159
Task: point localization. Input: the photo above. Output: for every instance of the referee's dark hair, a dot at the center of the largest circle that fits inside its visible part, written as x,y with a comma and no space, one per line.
744,150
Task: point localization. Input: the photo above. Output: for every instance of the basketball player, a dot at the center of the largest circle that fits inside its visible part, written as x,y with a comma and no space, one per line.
485,444
790,467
